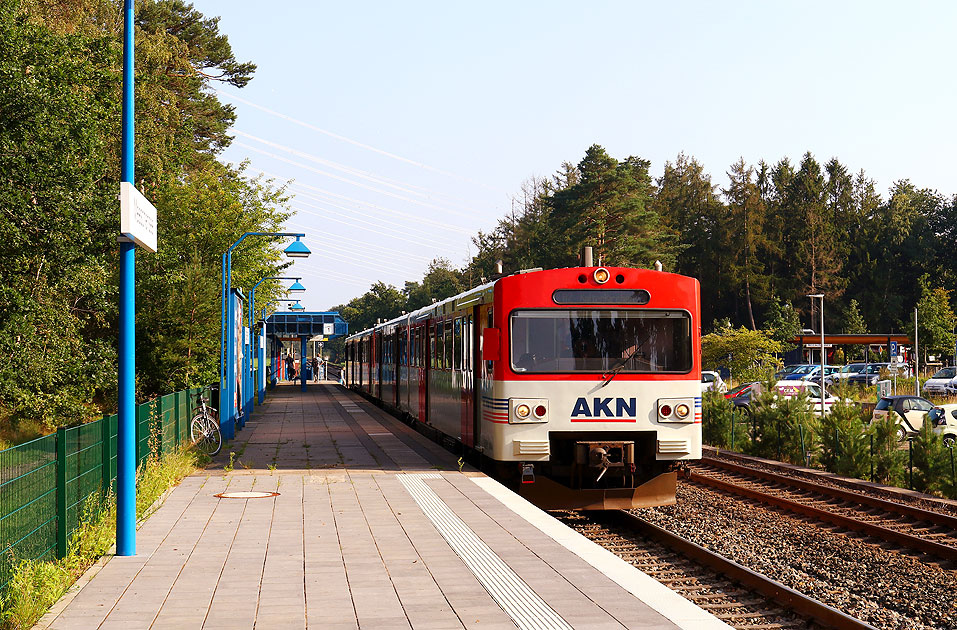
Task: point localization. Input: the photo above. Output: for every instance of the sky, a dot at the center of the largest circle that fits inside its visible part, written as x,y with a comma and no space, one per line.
402,129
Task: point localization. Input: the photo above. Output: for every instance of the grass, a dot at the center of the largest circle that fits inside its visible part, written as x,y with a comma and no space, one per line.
36,585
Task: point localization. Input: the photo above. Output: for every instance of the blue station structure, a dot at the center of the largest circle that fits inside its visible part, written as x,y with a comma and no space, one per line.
252,350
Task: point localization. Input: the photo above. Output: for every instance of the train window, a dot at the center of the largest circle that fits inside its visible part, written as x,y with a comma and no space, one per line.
600,340
437,346
457,344
413,346
448,346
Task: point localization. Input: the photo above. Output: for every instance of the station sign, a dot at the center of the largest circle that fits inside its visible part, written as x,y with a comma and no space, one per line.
817,345
137,217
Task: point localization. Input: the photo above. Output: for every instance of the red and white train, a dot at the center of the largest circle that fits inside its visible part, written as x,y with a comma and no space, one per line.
579,386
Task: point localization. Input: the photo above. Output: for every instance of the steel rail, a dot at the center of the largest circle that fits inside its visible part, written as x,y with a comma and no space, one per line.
906,540
785,596
847,495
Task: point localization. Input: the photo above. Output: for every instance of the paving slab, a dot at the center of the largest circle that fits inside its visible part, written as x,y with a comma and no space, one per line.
374,526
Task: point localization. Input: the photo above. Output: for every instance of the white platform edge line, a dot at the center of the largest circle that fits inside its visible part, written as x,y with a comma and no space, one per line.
519,601
656,595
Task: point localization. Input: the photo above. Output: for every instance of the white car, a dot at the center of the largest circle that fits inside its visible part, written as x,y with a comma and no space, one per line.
945,423
792,388
941,383
712,380
908,412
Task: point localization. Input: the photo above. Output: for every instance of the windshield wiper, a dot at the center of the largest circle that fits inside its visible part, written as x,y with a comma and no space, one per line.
619,366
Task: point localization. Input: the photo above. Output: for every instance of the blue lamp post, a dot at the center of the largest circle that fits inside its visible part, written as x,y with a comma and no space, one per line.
255,349
227,347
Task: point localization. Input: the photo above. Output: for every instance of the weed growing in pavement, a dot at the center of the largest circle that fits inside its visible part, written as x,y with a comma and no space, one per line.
272,467
231,464
37,584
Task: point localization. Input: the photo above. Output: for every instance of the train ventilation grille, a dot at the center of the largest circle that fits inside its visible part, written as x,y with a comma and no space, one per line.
530,447
674,446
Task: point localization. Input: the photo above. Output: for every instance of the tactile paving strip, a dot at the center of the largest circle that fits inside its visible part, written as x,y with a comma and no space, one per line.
517,599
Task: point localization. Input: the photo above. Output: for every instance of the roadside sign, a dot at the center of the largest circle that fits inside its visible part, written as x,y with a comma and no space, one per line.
893,352
137,217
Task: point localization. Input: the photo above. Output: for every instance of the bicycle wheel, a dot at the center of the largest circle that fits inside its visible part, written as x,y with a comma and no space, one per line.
206,435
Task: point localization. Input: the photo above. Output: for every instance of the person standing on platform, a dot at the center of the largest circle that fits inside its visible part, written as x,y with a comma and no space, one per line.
290,368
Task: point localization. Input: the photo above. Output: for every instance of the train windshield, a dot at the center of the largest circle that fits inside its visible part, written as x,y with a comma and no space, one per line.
591,340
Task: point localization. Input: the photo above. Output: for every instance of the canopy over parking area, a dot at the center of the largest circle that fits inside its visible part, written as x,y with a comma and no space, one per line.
807,344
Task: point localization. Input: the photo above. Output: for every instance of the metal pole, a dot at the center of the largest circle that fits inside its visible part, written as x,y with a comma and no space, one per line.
126,377
302,361
916,357
822,356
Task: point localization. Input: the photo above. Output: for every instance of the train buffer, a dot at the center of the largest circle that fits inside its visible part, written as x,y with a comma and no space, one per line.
326,512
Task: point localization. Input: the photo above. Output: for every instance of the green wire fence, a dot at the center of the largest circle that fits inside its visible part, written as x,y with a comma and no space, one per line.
44,483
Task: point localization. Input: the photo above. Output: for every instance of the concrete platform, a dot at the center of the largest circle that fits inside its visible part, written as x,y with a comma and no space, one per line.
374,526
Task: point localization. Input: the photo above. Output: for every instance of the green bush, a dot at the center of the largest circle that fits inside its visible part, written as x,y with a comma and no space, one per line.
887,458
844,445
783,428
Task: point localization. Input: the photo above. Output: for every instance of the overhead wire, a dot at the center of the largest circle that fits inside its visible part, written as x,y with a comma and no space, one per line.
387,193
379,179
341,138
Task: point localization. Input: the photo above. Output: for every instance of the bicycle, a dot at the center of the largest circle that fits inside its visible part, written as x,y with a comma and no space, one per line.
204,428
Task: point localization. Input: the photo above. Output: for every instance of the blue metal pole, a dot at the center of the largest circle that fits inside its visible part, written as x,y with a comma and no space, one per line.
302,361
126,377
229,412
223,394
253,351
261,385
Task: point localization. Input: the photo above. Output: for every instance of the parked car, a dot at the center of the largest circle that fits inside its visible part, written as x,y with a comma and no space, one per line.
740,390
907,411
944,418
869,375
809,373
941,383
844,373
787,369
712,380
788,389
740,396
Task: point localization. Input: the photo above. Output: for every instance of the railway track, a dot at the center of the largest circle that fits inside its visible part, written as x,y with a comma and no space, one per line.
911,528
740,597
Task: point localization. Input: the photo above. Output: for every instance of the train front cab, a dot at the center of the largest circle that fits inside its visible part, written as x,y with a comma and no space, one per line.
590,433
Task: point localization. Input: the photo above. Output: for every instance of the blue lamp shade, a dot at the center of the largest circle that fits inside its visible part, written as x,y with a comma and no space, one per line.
297,249
297,307
296,287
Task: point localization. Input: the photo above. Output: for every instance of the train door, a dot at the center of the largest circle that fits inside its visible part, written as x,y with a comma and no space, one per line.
377,361
475,357
483,373
463,343
397,350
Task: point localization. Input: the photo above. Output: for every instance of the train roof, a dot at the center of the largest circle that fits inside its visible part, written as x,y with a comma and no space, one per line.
478,294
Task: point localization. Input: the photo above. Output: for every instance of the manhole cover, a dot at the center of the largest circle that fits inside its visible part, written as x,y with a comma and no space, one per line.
246,495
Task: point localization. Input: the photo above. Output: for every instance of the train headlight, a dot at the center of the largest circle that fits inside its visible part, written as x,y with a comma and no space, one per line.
679,410
527,410
601,275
